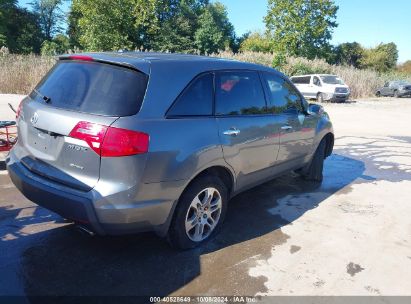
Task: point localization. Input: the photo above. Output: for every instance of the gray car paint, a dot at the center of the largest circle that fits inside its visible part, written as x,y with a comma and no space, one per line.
392,87
140,192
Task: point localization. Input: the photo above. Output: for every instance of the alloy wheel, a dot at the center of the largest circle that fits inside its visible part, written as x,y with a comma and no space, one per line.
203,214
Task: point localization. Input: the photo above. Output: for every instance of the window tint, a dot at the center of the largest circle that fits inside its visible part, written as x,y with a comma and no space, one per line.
301,79
94,88
239,93
196,99
283,98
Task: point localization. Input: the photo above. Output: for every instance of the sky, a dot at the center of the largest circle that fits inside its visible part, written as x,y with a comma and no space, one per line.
368,22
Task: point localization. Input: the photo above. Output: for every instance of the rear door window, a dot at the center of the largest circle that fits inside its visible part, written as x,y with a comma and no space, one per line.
196,99
94,88
239,93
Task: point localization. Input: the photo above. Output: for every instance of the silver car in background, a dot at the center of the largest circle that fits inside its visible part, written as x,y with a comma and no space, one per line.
129,142
398,88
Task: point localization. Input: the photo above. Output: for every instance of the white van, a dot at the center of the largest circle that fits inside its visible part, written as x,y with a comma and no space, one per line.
322,87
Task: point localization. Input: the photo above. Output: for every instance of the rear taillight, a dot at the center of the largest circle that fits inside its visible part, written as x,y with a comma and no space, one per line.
92,134
110,141
122,142
19,109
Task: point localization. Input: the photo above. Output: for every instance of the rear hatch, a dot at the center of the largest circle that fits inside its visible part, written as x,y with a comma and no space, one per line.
63,122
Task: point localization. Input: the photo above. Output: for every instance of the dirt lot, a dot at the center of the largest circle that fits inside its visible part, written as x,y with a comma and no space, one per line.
350,236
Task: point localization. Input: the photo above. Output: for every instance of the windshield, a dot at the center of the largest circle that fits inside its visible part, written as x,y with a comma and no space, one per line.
404,83
94,88
329,79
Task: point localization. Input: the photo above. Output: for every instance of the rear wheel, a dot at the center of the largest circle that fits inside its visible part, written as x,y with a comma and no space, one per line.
200,212
314,171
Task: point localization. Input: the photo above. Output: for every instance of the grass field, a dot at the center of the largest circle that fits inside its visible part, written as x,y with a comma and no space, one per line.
20,73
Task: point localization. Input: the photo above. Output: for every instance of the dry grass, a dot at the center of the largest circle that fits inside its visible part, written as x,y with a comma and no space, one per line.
20,73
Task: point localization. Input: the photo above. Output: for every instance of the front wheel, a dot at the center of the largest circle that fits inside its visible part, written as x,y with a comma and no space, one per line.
200,212
396,95
378,94
314,172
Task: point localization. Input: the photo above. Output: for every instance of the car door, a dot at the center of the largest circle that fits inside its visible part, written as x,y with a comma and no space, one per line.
249,136
316,86
385,91
297,129
392,87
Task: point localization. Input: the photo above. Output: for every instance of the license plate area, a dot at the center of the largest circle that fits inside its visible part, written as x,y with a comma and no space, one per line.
43,142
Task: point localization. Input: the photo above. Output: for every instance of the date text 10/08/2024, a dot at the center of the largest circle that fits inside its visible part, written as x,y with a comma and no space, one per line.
204,299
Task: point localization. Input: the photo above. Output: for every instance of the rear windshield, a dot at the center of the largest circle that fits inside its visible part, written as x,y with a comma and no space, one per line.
94,88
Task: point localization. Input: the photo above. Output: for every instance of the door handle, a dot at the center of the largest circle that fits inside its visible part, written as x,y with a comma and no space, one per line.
232,132
286,127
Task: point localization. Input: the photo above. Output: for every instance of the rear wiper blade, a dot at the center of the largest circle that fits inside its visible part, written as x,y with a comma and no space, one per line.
44,97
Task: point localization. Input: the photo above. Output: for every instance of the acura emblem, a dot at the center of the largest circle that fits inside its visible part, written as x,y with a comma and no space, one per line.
34,118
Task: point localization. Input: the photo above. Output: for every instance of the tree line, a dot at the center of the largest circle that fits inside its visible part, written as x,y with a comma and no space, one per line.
299,28
189,26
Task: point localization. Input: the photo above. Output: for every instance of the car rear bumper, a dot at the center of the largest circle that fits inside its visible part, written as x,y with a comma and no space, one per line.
71,205
102,215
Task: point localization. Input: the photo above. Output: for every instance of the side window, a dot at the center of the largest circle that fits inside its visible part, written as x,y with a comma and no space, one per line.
297,80
239,93
196,99
306,79
317,81
283,98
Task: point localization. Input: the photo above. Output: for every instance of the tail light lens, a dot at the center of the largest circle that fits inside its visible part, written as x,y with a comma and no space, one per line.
18,111
109,141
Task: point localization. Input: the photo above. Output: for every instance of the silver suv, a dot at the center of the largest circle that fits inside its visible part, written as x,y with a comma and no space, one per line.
128,142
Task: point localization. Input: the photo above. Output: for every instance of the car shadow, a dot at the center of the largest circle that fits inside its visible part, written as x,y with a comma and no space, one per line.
66,263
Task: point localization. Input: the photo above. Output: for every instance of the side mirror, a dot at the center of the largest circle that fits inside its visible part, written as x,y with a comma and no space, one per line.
315,109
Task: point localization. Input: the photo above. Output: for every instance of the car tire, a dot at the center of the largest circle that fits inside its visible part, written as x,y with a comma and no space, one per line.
314,171
185,213
320,98
378,94
396,94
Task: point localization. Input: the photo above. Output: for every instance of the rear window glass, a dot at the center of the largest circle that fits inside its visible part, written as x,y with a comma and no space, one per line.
196,99
94,88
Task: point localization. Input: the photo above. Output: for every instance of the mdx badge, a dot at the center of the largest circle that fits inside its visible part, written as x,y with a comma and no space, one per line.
76,148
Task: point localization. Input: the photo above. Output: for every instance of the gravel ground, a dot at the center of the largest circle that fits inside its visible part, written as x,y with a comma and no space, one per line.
350,236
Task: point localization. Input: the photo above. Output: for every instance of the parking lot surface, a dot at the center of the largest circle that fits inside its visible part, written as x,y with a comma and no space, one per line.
349,236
